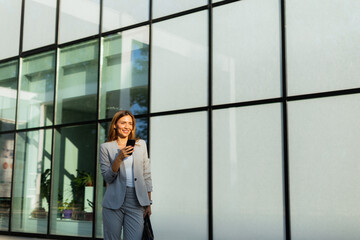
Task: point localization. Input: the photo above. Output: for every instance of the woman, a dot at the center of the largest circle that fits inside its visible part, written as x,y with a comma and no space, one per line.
126,170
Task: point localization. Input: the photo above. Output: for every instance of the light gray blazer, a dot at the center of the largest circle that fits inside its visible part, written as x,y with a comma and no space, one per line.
116,182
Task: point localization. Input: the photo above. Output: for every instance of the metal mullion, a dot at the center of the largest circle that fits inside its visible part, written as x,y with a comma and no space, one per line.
8,59
324,94
38,50
115,31
179,14
149,76
100,53
224,3
15,136
56,75
81,40
210,123
286,177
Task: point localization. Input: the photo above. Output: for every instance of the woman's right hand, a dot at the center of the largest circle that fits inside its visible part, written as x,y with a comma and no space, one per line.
125,152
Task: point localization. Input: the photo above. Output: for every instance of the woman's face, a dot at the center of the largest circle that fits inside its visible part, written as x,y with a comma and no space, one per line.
124,126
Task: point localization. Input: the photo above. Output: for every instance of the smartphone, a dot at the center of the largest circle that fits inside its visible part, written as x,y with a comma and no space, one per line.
130,142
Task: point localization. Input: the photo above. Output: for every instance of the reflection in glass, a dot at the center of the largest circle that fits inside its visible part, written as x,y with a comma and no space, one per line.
179,67
78,19
124,79
246,64
8,92
180,178
39,23
247,173
324,152
141,132
32,173
6,165
122,13
72,189
77,83
36,91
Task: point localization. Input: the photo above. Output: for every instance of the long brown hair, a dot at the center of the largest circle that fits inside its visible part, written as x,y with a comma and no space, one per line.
112,132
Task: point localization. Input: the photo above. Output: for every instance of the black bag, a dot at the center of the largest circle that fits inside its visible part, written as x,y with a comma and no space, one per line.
148,232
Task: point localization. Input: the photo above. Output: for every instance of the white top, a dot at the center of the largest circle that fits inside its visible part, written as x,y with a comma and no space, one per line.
128,162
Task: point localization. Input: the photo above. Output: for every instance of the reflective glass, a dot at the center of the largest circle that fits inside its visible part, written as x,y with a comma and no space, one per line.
322,45
141,132
10,16
247,173
179,165
167,7
179,64
78,19
6,166
77,83
324,168
72,189
8,93
36,91
247,55
122,13
125,73
32,173
39,23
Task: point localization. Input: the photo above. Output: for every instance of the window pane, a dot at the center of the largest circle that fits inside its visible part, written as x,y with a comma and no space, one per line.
74,169
10,16
8,92
36,91
124,76
122,13
167,7
246,49
180,176
77,83
322,45
247,173
179,71
324,168
78,19
141,132
31,194
6,165
39,23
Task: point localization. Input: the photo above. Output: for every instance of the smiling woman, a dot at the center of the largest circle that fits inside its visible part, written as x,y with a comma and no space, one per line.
126,171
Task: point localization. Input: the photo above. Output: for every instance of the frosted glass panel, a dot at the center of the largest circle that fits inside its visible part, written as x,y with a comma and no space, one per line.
322,45
78,19
179,63
32,178
246,48
10,16
8,93
247,173
179,172
122,13
167,7
39,23
324,168
36,91
125,72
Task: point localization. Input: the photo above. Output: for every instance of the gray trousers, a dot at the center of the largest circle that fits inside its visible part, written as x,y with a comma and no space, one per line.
130,217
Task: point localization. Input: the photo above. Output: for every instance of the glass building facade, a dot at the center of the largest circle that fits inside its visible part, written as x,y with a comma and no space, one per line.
249,108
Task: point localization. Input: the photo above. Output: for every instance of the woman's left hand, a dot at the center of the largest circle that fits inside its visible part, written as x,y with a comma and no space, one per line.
147,210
